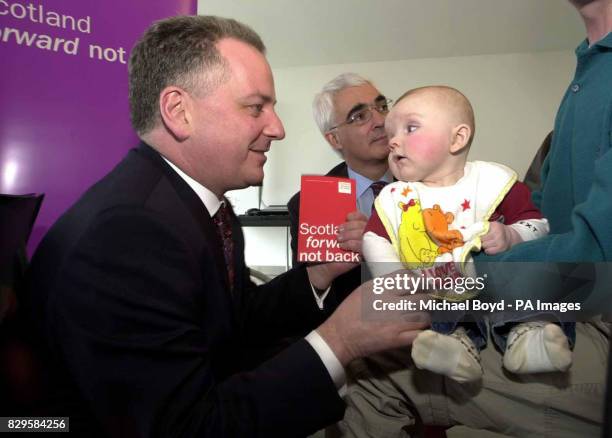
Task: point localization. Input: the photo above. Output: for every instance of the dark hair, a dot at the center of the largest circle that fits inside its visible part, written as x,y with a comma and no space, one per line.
175,51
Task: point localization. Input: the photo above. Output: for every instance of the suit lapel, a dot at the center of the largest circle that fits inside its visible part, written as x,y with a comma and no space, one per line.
341,170
197,209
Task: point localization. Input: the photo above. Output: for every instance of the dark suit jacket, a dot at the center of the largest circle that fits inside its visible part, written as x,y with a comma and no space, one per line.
345,283
128,291
533,175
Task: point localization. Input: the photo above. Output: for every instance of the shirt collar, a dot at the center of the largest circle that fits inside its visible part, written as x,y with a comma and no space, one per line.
604,42
210,200
363,183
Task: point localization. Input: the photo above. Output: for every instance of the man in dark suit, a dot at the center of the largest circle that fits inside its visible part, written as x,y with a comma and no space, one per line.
350,113
140,292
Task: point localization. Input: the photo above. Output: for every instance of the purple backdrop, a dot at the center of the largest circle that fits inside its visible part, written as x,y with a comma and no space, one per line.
64,118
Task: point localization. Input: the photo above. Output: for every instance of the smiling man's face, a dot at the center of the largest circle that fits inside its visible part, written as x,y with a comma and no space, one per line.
236,123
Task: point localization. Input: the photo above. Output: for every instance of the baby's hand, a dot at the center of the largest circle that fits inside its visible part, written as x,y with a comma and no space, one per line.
500,238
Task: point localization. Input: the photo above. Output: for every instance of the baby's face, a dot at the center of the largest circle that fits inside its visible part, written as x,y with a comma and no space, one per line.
420,136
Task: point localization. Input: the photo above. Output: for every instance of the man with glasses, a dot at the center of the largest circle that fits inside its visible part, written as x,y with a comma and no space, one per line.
350,113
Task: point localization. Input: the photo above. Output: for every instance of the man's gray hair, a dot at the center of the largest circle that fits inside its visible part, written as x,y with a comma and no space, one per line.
176,51
323,104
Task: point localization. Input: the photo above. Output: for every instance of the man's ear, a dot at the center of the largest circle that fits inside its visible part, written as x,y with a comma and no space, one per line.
332,139
175,106
461,137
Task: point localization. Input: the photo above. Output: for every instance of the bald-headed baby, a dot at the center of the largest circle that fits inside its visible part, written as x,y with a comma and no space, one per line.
443,208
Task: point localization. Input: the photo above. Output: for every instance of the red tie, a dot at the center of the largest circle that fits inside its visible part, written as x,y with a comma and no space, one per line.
223,221
376,188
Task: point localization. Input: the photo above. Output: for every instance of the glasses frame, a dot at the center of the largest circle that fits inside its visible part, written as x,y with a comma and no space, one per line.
367,109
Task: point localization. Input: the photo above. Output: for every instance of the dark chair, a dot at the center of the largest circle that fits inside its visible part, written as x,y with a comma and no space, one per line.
17,216
19,366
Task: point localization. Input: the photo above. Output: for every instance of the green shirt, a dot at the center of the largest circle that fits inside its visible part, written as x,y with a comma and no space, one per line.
576,194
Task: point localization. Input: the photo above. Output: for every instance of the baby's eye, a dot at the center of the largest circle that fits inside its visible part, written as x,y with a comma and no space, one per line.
411,128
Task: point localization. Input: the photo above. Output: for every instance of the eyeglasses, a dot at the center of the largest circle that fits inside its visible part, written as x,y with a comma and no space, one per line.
364,114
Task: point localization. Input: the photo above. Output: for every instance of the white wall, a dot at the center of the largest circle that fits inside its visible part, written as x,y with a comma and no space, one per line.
515,97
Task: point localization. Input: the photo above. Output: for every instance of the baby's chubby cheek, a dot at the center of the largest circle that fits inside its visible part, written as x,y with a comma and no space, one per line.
394,167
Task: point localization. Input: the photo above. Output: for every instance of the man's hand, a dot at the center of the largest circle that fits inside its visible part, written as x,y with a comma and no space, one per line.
352,331
500,238
350,238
